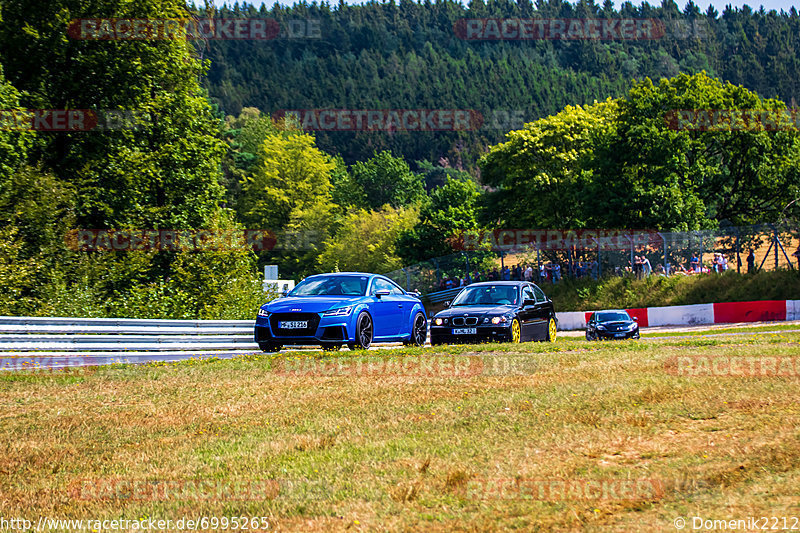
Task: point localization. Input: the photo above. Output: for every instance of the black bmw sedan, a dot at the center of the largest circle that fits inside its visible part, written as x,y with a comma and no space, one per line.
616,324
504,311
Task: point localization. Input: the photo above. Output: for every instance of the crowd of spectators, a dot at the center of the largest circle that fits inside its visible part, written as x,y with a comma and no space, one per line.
642,268
552,272
546,272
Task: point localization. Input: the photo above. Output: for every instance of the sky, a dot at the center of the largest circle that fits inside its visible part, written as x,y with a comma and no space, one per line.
702,4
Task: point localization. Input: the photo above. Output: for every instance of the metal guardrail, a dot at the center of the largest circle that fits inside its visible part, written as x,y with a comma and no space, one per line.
441,296
62,335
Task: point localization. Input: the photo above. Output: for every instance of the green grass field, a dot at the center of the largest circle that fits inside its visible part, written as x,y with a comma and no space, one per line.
511,439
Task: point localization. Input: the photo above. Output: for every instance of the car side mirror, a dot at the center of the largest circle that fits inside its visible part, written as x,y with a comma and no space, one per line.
526,303
378,294
447,303
636,319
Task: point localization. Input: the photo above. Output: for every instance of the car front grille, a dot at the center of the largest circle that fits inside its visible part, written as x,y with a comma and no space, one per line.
262,334
465,321
276,318
333,333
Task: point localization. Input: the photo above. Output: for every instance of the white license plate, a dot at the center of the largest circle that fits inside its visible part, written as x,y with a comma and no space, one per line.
293,324
465,331
619,335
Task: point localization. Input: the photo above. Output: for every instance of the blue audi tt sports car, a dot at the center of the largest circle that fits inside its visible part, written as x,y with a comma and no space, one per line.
350,308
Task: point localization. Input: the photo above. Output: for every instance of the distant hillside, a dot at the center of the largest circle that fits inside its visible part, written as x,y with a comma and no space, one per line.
410,55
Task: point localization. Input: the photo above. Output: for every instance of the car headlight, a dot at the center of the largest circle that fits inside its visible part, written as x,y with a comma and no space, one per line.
632,326
499,319
437,321
341,311
262,312
600,326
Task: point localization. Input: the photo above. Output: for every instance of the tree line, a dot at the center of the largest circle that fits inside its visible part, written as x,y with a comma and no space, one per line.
410,55
191,162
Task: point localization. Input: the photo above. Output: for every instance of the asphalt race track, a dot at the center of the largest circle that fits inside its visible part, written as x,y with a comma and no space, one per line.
57,360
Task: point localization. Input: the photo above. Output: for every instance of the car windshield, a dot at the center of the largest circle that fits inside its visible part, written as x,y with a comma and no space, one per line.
487,295
332,286
613,317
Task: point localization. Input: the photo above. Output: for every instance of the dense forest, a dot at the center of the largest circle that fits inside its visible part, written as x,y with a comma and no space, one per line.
407,55
89,216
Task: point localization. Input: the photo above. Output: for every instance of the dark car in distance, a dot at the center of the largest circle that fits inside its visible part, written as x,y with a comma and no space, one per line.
611,324
504,311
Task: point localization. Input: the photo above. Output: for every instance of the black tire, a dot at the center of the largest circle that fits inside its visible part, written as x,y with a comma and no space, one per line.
335,347
588,337
270,347
364,332
419,331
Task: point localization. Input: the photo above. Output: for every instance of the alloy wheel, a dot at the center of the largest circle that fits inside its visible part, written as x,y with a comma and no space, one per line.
363,332
552,330
420,332
516,331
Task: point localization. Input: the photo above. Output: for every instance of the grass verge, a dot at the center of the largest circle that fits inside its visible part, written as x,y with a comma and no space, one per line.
316,444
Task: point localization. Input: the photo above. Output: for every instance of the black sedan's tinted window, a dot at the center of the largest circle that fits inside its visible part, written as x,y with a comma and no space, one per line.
613,317
487,295
540,297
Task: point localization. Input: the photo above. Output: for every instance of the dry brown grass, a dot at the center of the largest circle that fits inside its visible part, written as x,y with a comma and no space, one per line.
403,453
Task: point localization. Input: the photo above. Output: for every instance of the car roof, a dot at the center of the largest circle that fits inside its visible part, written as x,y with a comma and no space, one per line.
366,274
612,311
483,283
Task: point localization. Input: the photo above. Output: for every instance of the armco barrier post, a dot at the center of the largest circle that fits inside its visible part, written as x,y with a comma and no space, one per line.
664,241
777,242
738,252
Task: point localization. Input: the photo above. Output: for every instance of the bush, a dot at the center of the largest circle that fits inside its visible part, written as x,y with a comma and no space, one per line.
213,286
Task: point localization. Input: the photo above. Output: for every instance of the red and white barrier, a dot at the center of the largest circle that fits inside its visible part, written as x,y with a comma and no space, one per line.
681,314
690,315
792,309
